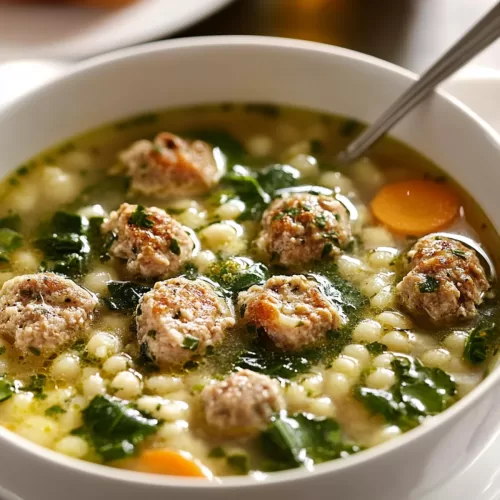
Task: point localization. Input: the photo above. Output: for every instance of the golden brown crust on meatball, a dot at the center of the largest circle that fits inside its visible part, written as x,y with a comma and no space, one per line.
180,318
170,166
302,228
292,310
242,403
446,281
153,244
40,313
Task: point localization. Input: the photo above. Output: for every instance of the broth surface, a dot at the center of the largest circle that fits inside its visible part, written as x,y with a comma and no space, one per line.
335,392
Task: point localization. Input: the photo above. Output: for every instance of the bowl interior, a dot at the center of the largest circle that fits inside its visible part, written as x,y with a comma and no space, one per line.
245,69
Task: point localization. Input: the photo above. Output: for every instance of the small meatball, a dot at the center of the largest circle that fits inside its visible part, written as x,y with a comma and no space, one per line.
39,313
171,166
292,310
446,280
153,243
242,403
302,228
180,319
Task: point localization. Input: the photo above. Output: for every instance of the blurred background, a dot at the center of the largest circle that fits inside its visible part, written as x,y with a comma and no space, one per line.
410,33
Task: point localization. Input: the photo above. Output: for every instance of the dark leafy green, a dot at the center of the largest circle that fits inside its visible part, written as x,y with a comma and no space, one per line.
230,147
300,439
36,385
235,275
7,388
430,285
340,291
124,295
140,218
480,341
69,242
277,364
9,241
115,428
54,411
190,342
277,177
418,392
376,348
11,221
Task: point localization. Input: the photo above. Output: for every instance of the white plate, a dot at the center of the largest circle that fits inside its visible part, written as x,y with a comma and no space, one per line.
75,33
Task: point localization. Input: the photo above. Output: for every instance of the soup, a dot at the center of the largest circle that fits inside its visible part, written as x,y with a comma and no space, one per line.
202,292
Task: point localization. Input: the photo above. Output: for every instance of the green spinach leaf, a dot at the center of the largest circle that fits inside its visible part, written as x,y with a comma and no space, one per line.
115,428
418,392
300,439
124,295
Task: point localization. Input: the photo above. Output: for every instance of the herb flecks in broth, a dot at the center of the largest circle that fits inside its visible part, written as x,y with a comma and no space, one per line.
346,360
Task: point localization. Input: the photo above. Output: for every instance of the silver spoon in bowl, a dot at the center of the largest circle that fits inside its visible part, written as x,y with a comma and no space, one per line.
482,34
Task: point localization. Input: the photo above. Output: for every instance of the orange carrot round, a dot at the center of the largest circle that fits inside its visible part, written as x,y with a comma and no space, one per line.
174,463
416,207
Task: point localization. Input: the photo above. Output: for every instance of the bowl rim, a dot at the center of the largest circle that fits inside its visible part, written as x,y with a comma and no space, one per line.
126,476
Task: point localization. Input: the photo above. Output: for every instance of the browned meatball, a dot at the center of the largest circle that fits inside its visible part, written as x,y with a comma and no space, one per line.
242,403
171,166
153,243
446,280
180,318
302,228
292,310
41,312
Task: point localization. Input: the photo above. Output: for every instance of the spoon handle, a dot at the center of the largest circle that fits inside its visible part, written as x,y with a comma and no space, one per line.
482,34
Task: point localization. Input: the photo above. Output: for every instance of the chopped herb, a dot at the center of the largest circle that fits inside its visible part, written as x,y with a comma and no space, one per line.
376,348
190,271
146,360
140,218
174,247
430,285
3,350
320,221
34,350
217,452
191,343
418,392
54,410
349,128
152,334
239,462
124,295
327,250
114,428
302,439
299,324
36,385
7,388
459,253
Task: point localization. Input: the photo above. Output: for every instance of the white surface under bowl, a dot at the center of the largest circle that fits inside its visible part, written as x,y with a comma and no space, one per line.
303,74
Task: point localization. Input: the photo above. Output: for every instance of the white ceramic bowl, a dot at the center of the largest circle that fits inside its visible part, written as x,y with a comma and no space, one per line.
327,79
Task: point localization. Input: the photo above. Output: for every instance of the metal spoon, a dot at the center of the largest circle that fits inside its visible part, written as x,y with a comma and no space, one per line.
486,31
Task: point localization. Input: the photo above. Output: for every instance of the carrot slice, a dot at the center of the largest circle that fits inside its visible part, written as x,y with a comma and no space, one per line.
416,207
174,463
